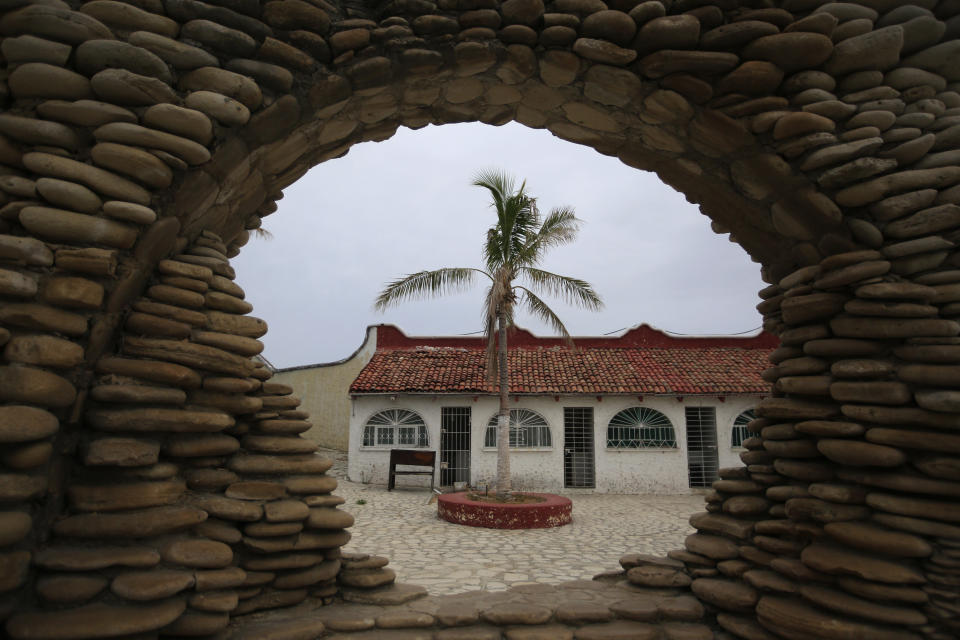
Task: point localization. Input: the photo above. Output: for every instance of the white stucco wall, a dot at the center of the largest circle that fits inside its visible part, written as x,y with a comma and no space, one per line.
657,471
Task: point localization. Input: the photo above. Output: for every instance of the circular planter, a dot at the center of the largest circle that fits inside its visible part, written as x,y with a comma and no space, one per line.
554,511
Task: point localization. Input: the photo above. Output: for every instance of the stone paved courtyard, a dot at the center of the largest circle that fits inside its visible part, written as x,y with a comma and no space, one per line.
446,558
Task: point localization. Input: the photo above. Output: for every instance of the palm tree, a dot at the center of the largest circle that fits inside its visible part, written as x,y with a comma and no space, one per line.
514,247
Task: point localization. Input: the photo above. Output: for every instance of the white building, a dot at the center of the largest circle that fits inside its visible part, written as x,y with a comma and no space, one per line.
641,413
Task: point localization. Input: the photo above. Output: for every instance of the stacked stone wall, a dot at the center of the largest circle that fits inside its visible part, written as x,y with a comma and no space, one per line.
191,495
148,462
848,496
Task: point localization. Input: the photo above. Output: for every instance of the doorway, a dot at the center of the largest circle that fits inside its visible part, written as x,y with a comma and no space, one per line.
454,445
702,445
578,471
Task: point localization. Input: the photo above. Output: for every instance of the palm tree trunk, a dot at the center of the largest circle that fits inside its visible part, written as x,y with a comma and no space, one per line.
503,417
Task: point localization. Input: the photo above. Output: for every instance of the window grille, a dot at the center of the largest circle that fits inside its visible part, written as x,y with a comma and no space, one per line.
454,445
578,471
701,445
528,429
395,427
740,432
640,428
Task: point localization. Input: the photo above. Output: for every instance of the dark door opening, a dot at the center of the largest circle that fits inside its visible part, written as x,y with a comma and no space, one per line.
702,445
454,445
578,468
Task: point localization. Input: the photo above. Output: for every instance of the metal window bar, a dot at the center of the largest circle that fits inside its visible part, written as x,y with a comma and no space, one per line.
702,461
578,468
740,432
738,436
422,436
454,445
528,429
395,427
640,427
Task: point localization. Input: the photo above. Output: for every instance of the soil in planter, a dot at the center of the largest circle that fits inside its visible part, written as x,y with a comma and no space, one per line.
513,498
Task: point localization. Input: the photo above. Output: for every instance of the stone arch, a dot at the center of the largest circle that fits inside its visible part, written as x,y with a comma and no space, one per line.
151,472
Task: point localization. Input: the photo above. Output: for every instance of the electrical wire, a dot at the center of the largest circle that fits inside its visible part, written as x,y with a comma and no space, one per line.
705,335
610,333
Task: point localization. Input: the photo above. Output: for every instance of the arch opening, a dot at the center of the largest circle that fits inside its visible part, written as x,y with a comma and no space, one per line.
646,250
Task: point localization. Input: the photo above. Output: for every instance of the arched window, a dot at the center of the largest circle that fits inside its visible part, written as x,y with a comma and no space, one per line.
740,432
640,428
395,428
528,429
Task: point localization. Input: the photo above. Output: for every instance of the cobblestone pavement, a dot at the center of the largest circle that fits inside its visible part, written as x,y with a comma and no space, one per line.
447,558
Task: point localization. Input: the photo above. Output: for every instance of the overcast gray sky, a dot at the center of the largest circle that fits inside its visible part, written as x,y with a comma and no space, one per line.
396,207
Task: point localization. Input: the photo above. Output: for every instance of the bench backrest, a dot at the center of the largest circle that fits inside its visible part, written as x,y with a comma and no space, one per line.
419,457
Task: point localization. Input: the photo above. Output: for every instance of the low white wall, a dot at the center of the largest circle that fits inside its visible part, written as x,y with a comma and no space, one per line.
655,471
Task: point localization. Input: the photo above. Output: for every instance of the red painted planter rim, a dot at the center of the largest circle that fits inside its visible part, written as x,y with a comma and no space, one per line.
553,511
550,500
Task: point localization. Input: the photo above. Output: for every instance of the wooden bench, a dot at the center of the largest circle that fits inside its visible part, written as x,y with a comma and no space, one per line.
411,457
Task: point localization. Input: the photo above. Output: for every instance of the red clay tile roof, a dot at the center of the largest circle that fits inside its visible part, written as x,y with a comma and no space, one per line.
674,366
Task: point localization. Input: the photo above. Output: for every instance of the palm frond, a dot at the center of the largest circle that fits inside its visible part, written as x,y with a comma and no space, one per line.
497,182
516,222
571,290
494,252
559,227
503,192
540,309
517,217
426,284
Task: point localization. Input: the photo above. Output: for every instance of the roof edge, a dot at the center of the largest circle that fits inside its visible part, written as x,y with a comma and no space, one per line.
371,334
391,337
